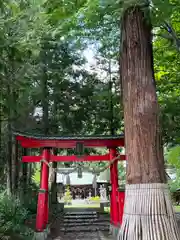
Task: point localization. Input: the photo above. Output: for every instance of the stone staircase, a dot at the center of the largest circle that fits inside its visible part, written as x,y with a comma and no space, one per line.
85,225
84,222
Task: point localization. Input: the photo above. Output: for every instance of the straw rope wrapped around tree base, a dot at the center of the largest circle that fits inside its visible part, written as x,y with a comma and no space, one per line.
148,214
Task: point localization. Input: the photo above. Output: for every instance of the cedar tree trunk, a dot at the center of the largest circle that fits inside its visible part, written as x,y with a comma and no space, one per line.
148,212
141,111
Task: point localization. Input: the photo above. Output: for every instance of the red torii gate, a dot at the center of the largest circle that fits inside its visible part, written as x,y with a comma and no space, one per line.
48,143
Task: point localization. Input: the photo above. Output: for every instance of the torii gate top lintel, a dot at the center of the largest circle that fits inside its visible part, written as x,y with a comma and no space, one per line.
39,141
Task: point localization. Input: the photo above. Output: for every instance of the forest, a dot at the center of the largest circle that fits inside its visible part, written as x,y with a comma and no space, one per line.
59,75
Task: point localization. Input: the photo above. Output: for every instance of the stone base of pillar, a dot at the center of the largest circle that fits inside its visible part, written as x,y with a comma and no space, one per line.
42,235
114,230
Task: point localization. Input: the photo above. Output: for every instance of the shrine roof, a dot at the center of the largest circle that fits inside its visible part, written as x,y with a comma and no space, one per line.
87,179
73,137
30,140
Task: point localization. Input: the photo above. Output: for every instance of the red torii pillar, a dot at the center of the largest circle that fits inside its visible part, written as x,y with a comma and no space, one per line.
114,206
43,205
121,204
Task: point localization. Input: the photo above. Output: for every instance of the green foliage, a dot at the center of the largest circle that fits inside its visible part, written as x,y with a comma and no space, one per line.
36,176
121,172
100,21
166,63
30,197
67,196
96,199
12,218
174,185
174,156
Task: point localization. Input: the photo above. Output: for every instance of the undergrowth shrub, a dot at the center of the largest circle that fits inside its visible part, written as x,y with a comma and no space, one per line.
12,219
29,200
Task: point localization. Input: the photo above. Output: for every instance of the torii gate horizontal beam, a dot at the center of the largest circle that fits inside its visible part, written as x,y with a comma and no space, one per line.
72,158
28,141
34,143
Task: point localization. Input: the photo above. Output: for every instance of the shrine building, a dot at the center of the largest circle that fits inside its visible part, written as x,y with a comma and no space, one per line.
81,187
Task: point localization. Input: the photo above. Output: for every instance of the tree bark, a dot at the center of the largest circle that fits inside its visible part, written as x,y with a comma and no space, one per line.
29,174
9,160
45,104
53,175
29,167
53,183
24,172
141,111
147,203
45,93
111,106
12,148
15,166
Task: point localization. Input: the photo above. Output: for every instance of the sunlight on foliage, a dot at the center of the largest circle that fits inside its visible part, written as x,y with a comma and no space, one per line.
174,156
36,176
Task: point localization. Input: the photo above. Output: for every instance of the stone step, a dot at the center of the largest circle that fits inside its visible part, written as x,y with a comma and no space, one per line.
178,216
84,236
84,229
80,217
80,220
85,220
81,213
85,224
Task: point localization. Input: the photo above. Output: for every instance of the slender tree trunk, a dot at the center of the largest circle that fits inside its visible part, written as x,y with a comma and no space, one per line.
15,147
29,169
54,164
45,106
147,201
12,152
23,176
45,100
53,182
24,172
111,106
29,174
9,136
9,160
15,166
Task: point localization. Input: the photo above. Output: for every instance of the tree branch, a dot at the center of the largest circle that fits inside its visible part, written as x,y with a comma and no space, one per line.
168,27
